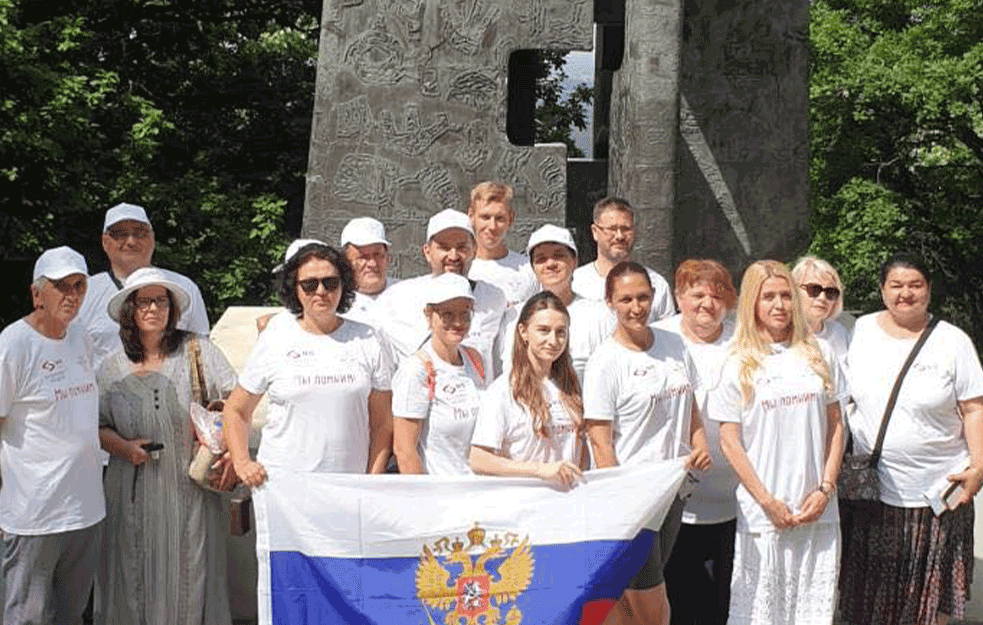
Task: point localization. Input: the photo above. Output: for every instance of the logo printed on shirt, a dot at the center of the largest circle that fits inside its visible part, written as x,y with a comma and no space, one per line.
51,365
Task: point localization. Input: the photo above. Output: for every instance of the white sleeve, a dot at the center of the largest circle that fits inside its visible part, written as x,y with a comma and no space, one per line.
504,340
600,390
969,374
662,304
380,362
695,381
837,381
8,377
256,375
411,394
492,423
725,402
220,377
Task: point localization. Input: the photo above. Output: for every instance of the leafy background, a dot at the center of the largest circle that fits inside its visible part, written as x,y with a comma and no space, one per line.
201,111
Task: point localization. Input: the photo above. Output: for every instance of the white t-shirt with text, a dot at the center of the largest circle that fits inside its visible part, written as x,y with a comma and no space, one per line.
49,433
505,426
449,417
647,396
713,500
318,389
783,429
925,437
590,284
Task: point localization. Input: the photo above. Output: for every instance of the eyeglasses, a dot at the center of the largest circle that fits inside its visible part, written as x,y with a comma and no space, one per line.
69,288
613,230
122,234
143,303
330,283
447,317
813,290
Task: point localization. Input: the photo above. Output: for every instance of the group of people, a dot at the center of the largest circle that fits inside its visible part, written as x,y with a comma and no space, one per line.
495,363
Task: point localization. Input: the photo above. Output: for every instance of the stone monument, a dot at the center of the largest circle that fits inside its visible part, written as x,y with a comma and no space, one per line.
700,120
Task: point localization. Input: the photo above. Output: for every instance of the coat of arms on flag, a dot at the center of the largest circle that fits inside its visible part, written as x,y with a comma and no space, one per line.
475,584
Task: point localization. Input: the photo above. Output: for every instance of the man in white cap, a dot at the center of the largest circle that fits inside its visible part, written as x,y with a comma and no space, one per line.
553,257
491,215
51,501
363,240
614,232
128,241
450,247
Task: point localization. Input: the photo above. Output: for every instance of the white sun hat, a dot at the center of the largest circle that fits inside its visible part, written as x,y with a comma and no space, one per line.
364,231
448,286
59,262
148,276
123,212
551,234
447,219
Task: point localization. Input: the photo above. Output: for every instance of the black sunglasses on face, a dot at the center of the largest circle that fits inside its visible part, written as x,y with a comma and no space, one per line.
330,283
813,290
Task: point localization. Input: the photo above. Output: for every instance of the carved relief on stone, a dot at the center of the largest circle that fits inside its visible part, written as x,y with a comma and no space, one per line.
411,136
473,88
465,23
369,179
376,56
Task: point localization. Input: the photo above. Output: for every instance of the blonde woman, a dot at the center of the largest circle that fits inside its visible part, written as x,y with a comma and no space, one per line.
821,291
780,429
531,419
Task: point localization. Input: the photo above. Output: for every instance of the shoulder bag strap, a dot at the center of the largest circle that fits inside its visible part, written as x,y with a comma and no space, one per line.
875,455
198,388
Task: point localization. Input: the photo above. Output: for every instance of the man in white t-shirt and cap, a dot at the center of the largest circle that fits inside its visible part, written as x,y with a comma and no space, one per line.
128,241
363,241
614,232
450,246
51,501
491,215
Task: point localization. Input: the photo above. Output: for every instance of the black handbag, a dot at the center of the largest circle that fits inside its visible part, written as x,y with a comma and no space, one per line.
858,479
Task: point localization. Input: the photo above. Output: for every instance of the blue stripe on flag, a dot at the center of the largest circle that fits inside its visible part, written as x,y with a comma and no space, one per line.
382,591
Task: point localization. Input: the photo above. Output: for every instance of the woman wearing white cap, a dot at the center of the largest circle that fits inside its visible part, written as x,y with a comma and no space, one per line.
530,423
436,393
163,532
553,256
51,501
327,379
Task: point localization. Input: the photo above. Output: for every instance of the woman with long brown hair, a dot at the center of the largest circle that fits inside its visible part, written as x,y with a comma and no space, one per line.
531,419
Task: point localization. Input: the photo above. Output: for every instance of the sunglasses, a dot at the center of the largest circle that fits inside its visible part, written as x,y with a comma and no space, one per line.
330,283
813,290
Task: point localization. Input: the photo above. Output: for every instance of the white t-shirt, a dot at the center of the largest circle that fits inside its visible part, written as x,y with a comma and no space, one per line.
365,307
445,441
590,323
512,274
590,284
713,500
647,396
925,437
104,332
838,337
405,326
505,426
49,434
318,388
783,429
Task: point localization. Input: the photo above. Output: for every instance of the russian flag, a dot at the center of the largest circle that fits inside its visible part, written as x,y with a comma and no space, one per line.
429,550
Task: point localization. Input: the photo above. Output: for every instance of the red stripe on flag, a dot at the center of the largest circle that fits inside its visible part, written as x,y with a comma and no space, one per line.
594,612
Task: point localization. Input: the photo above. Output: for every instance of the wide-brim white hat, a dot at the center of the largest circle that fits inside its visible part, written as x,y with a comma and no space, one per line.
148,276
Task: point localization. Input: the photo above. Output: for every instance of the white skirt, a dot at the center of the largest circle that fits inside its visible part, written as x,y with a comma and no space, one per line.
785,576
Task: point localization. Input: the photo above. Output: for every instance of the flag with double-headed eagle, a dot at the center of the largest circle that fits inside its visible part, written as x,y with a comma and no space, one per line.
431,550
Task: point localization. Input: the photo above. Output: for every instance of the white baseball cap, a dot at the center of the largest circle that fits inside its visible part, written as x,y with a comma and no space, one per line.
448,286
59,262
447,219
364,231
147,276
551,234
122,212
295,247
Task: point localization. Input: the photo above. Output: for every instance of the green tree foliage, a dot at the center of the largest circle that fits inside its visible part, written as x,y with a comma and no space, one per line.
199,110
558,113
897,145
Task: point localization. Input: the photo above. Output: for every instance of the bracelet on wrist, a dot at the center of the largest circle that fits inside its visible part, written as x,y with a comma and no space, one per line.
827,488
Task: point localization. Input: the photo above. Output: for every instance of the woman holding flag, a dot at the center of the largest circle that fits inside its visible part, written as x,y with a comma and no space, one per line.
531,419
638,401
